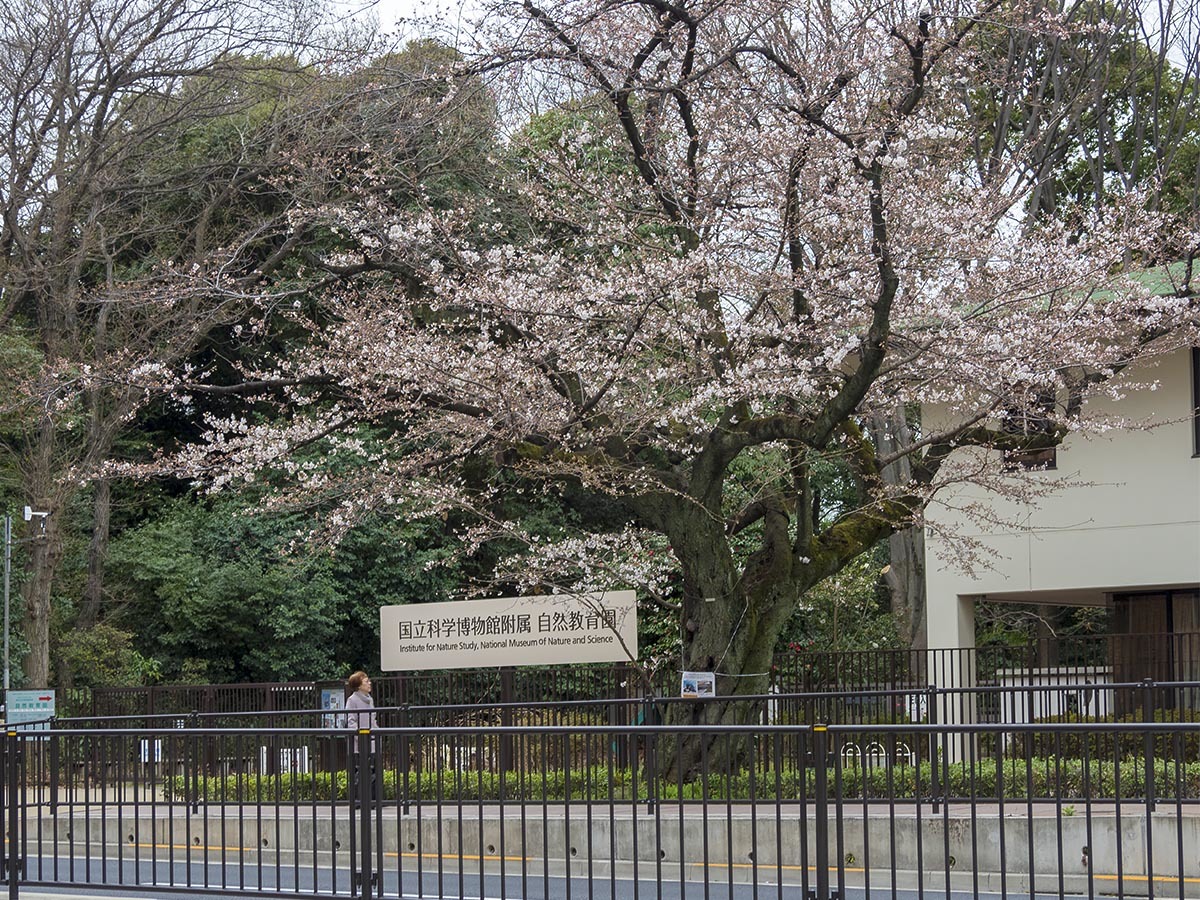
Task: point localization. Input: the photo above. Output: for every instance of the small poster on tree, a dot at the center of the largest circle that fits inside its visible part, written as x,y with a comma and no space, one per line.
698,685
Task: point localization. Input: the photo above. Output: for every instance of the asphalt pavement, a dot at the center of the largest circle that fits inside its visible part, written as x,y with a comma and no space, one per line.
98,879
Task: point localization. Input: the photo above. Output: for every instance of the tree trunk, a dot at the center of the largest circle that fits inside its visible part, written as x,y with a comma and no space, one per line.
44,556
89,612
906,581
47,495
735,638
93,590
905,575
686,756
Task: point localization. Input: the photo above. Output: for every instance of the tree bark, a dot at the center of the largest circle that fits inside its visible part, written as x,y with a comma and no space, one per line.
905,579
45,553
89,611
731,625
905,575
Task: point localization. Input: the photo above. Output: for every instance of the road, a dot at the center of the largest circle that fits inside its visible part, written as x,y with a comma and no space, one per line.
99,877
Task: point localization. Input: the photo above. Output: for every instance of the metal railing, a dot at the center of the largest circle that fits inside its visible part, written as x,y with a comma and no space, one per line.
1173,657
1012,705
793,810
864,719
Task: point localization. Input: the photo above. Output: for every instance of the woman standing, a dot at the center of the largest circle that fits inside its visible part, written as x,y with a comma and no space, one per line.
360,702
360,713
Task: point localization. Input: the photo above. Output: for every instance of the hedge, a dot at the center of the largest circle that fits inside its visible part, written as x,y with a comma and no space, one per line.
1109,744
1050,779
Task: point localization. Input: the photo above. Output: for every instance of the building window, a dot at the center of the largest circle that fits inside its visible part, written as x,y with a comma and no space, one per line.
1196,401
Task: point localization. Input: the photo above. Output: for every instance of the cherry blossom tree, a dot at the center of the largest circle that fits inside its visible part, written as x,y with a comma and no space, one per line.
749,232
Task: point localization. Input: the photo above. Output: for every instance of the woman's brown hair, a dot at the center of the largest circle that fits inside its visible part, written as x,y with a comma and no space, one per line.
354,682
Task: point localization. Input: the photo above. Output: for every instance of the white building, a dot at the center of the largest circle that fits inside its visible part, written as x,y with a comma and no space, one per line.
1123,532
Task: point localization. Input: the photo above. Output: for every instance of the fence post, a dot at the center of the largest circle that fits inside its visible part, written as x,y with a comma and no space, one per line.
651,767
192,760
13,839
1148,746
506,719
362,756
618,717
936,740
821,797
55,762
209,748
405,752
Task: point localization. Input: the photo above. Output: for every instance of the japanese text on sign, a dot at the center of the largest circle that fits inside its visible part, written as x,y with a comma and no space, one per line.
480,626
510,631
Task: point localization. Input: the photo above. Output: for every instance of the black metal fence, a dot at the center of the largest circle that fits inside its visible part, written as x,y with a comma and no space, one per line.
1012,706
602,809
1121,658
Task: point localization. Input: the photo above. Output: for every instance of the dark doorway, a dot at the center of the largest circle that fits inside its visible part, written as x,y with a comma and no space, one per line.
1157,635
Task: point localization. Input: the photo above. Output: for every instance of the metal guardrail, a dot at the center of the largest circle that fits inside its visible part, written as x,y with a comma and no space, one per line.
772,811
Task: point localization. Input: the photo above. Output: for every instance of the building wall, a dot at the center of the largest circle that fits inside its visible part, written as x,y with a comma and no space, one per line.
1127,518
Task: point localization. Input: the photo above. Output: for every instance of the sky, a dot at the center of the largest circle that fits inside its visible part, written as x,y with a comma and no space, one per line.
400,16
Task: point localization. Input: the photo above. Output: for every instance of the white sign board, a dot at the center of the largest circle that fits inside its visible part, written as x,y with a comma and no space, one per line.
29,706
509,631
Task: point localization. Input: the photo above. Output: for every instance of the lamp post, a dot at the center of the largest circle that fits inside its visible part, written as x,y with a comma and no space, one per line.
8,542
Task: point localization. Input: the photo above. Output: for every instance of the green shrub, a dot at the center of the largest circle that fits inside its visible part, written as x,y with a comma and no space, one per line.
1039,778
1107,744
